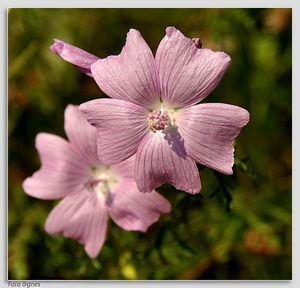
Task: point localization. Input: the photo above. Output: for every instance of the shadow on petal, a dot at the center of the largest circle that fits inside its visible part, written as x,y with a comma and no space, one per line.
174,139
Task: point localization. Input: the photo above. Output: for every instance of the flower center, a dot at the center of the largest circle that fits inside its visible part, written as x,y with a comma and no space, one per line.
100,182
158,120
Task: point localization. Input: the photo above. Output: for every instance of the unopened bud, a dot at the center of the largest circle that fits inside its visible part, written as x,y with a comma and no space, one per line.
198,42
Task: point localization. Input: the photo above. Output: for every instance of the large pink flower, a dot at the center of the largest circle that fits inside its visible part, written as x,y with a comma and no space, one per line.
153,112
90,190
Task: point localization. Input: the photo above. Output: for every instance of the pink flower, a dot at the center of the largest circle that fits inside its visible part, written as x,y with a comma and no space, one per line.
154,115
90,190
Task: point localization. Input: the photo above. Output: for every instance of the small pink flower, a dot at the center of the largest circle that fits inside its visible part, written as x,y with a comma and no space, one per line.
91,191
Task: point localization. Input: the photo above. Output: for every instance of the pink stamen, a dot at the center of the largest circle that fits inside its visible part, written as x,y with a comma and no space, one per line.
91,184
158,120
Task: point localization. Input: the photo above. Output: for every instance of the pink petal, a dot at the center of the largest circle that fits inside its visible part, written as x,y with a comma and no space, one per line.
124,169
81,135
188,74
74,55
208,131
133,210
83,217
161,158
61,173
130,76
120,127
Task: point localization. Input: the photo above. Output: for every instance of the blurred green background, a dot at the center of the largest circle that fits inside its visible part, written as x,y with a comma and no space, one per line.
238,227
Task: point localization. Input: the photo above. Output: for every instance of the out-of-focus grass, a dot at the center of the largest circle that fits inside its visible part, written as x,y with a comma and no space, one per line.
240,225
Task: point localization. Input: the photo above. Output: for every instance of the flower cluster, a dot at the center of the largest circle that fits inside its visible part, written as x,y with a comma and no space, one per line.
150,131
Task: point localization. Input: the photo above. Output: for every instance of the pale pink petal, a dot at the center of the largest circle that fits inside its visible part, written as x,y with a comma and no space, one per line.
187,74
74,55
133,210
161,158
208,131
81,135
125,169
120,127
130,76
83,217
61,173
